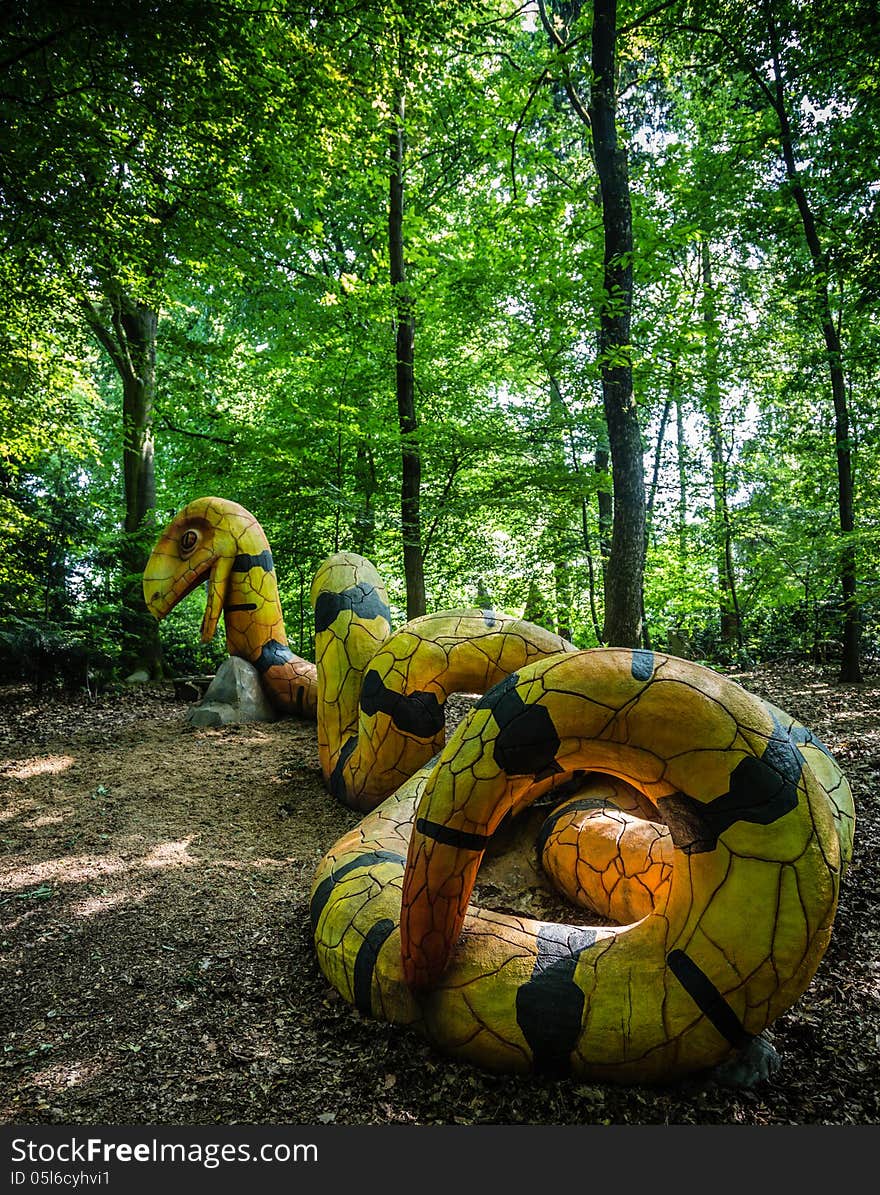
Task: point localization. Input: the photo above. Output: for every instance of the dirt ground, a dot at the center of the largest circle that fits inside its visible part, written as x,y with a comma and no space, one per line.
157,966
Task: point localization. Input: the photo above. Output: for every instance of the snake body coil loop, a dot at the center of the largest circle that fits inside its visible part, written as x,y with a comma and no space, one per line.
706,823
717,838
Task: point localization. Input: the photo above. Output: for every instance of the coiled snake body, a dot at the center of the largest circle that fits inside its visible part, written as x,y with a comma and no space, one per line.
716,837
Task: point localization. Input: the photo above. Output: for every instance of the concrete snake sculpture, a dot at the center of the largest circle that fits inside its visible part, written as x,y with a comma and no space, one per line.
216,541
710,825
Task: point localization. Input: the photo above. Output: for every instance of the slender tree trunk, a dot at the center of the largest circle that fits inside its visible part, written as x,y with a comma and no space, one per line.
652,492
557,398
141,643
130,341
623,607
658,457
562,586
413,563
728,608
561,579
681,459
365,479
850,669
591,570
605,504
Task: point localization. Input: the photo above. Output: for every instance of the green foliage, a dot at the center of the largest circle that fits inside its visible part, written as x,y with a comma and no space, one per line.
227,163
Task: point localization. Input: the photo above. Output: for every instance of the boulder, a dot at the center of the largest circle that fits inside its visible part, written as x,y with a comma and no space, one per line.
234,696
756,1063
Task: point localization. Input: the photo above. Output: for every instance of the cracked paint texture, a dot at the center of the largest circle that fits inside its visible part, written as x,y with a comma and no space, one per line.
706,825
217,541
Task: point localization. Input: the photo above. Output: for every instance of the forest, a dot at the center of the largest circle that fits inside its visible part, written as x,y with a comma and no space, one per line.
397,279
560,316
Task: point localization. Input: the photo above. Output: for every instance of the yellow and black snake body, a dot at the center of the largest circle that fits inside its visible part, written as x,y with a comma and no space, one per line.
216,541
705,829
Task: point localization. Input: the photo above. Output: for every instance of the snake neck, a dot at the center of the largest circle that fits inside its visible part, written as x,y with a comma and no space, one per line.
251,607
255,630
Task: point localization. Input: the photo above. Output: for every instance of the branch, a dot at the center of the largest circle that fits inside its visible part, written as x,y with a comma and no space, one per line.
98,327
563,47
115,300
168,426
646,16
549,28
457,462
747,66
519,124
34,47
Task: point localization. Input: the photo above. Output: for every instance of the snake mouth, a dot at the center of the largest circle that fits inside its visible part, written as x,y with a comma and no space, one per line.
162,600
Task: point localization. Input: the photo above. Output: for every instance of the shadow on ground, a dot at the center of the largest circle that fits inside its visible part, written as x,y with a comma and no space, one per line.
157,967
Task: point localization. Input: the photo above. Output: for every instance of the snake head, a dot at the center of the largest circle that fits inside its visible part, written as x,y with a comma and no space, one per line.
200,544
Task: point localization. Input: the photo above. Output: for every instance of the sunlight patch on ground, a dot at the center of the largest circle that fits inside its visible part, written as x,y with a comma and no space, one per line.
69,869
59,1078
171,854
80,869
48,765
47,819
33,815
105,902
250,738
291,861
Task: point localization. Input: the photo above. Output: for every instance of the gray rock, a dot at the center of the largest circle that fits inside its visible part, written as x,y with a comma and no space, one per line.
139,677
755,1063
234,696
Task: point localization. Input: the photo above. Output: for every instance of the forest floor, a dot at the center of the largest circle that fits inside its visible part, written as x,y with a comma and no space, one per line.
157,967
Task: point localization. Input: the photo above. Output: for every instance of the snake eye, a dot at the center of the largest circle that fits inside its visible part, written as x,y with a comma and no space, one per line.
188,541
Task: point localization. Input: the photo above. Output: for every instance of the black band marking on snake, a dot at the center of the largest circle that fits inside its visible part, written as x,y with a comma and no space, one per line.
245,562
367,859
362,599
417,713
527,742
273,655
642,665
550,1006
707,998
337,780
365,964
761,791
462,840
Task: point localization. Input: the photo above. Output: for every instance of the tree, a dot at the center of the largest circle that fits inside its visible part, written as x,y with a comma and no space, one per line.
625,565
754,46
128,165
405,331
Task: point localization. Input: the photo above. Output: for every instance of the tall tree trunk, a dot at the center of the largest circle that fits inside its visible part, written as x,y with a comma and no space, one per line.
727,604
413,563
623,606
562,587
141,643
681,459
850,669
561,577
605,504
557,398
365,479
652,492
130,341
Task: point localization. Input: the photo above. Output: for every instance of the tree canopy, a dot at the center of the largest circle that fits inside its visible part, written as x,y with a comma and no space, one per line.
206,280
